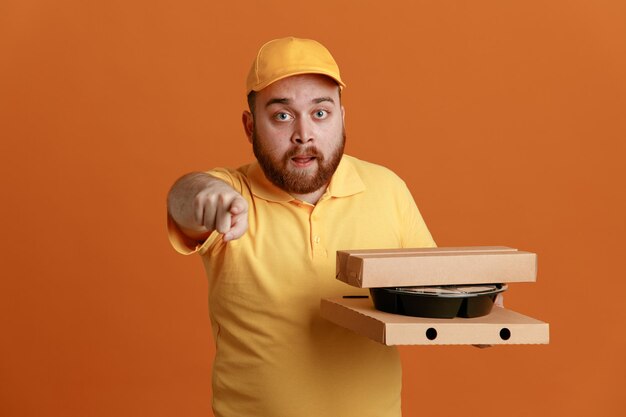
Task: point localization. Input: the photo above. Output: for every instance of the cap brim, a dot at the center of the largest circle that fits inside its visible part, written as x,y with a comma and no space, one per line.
261,86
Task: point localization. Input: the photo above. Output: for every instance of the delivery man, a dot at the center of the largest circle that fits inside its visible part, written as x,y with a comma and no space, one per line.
268,233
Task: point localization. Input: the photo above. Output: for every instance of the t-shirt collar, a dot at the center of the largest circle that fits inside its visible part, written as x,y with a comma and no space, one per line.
346,181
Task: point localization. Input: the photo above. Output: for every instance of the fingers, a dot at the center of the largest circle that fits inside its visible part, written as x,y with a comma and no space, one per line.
225,211
199,208
499,301
222,218
205,212
238,219
239,226
239,205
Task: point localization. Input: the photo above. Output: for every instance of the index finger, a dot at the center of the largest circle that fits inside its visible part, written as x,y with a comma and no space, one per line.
239,226
238,205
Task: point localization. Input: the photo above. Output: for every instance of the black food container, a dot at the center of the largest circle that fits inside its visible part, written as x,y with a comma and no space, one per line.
438,302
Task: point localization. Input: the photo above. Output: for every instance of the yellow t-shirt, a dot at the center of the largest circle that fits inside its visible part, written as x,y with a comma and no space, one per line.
275,356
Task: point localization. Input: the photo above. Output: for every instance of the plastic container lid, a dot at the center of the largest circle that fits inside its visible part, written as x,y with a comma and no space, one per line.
454,290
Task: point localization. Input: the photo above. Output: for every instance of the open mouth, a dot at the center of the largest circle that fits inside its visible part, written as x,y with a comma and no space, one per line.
303,160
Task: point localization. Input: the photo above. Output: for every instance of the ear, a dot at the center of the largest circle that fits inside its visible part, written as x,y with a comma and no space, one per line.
343,114
248,124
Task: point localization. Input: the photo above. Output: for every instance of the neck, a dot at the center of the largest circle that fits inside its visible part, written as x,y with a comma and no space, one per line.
311,198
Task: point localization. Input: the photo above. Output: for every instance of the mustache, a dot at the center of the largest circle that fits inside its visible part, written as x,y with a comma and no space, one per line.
304,150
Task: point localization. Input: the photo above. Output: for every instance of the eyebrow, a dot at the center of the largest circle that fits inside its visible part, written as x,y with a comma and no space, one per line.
277,100
322,99
287,101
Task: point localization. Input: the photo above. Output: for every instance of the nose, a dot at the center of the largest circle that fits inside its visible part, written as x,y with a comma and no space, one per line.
303,131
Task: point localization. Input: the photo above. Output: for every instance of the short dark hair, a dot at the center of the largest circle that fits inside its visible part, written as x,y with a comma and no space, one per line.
251,101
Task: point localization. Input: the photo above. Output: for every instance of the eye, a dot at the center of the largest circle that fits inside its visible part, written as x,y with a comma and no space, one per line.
282,116
321,114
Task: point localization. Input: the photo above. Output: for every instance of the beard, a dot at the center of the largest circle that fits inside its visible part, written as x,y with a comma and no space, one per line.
298,181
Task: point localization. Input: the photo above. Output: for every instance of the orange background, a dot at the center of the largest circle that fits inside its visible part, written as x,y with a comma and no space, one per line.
506,119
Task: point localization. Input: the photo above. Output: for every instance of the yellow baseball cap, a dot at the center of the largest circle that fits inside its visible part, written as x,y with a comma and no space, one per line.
282,58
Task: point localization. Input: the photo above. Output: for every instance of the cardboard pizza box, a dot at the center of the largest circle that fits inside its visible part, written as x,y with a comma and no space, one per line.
375,268
500,327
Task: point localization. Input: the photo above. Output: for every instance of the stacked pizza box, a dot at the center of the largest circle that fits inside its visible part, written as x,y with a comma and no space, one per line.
435,296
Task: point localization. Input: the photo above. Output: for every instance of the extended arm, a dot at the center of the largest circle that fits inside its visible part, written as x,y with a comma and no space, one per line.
200,203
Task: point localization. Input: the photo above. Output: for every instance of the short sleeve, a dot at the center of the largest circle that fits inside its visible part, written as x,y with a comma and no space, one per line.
185,245
181,243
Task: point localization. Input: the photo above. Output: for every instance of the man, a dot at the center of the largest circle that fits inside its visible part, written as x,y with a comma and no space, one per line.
268,233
